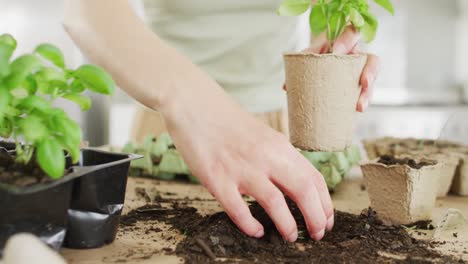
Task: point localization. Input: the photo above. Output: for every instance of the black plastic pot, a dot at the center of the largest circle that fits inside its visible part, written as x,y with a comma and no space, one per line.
41,210
97,201
83,208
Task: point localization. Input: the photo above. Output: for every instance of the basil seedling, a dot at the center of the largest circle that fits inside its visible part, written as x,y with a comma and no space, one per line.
29,85
332,16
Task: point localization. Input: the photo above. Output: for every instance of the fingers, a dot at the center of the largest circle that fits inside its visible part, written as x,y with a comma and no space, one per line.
236,208
319,44
346,42
274,203
368,76
307,187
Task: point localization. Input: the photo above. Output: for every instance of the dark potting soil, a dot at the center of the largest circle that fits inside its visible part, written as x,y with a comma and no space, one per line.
20,175
391,160
423,225
354,239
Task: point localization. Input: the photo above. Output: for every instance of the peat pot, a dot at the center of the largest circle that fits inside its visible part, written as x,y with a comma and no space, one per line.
323,92
401,194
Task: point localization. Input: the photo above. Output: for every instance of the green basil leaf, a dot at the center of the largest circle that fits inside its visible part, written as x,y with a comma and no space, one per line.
361,5
4,100
12,111
67,132
8,40
347,9
58,112
74,151
71,146
77,87
33,129
60,123
83,101
51,53
49,74
35,103
318,19
7,47
95,79
356,18
333,7
5,128
30,84
5,53
19,92
369,29
48,79
387,5
293,7
51,158
337,25
21,68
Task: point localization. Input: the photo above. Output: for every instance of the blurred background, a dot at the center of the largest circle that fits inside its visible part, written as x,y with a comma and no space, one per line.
423,80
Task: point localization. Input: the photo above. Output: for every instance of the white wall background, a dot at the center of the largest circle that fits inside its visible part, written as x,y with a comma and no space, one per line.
32,22
423,50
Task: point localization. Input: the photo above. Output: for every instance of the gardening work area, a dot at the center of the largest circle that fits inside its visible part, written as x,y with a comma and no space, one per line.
233,132
166,221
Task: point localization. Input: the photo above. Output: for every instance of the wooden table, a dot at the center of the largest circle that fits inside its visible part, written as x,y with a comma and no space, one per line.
138,247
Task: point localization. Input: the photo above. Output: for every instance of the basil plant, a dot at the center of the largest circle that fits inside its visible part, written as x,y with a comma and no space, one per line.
29,84
333,16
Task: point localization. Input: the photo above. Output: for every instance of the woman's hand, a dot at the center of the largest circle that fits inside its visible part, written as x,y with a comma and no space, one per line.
347,43
234,154
226,148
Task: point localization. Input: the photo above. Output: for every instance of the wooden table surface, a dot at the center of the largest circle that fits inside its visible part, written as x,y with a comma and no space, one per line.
138,247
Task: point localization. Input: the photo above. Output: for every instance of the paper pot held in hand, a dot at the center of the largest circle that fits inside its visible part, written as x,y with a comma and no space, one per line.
401,194
323,92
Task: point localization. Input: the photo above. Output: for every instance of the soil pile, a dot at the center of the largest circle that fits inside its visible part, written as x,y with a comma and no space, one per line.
21,175
354,239
390,160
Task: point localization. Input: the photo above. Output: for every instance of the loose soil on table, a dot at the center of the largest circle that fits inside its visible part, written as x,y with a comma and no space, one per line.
354,239
20,175
390,160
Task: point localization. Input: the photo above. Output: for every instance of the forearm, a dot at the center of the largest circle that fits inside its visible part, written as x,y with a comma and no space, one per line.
112,36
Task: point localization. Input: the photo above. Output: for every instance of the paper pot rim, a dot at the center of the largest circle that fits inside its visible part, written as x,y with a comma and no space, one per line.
323,56
374,162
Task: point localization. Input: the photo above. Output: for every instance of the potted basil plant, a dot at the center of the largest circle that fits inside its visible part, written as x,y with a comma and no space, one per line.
48,185
323,89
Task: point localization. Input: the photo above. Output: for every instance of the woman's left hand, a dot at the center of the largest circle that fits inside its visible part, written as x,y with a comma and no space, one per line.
347,43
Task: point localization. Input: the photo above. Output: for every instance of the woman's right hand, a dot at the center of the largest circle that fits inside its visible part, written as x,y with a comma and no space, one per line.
226,148
234,154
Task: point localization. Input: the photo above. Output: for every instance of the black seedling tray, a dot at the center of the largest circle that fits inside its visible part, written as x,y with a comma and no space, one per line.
81,209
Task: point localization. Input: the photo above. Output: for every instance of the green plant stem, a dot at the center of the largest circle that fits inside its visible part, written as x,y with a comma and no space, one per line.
330,41
28,154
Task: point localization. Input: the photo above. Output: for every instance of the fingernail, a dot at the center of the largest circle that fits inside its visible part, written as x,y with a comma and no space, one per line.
292,237
330,222
319,235
259,234
339,49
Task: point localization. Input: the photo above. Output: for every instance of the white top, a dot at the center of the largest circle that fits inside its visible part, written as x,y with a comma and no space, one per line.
238,42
